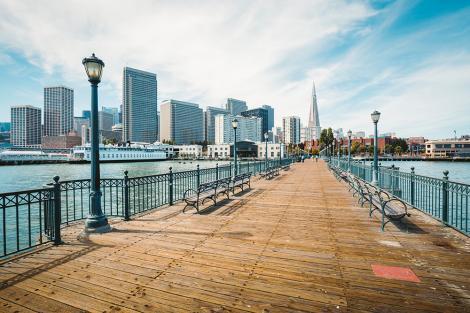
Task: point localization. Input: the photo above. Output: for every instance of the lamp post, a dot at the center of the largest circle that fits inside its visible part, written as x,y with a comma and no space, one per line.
349,150
335,134
375,119
280,153
266,151
96,221
235,126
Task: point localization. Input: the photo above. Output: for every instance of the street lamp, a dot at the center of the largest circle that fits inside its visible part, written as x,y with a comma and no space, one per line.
375,118
335,135
235,126
266,151
96,221
349,150
280,153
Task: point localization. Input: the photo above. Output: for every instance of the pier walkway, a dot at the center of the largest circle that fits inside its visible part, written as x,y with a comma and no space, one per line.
297,243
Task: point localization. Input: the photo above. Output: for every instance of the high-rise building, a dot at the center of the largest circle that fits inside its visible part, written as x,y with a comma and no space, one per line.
313,118
291,129
181,122
105,120
86,114
78,122
249,128
209,122
235,107
114,112
263,114
58,111
139,99
25,126
270,110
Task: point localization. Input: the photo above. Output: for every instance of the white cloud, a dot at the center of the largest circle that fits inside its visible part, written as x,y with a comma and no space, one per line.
201,51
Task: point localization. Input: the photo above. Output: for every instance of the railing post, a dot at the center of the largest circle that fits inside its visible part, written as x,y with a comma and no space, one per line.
126,196
57,211
216,171
248,166
170,186
230,166
412,187
198,180
445,197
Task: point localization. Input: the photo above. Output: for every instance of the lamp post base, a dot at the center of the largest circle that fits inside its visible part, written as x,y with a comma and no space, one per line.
97,224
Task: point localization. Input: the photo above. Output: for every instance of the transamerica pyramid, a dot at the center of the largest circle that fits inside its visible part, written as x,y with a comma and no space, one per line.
313,118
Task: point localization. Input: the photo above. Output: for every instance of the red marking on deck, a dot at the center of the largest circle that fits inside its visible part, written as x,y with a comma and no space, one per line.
394,272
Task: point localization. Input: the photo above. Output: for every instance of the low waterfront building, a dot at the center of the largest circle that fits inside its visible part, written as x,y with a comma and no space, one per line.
61,142
188,151
169,150
220,151
113,153
448,148
274,150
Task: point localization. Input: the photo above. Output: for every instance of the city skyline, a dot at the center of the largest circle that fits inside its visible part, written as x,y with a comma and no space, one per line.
406,59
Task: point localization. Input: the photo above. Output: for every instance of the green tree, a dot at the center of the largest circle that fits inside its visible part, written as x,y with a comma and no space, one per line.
388,149
362,148
370,149
398,150
355,147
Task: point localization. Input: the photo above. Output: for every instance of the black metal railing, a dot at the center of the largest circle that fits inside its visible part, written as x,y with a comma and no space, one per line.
445,200
33,217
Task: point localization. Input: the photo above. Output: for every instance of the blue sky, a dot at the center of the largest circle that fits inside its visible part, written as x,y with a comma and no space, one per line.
408,59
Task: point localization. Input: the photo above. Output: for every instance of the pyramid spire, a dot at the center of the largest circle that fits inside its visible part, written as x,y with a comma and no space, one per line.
313,118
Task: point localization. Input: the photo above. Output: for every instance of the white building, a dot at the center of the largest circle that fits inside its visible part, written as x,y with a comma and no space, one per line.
221,151
249,129
274,150
291,128
188,151
169,150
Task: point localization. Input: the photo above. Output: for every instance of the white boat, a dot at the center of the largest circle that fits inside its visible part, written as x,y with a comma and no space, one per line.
110,153
31,157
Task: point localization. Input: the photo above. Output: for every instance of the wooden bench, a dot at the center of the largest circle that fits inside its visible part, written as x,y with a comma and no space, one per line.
270,172
390,206
206,191
241,180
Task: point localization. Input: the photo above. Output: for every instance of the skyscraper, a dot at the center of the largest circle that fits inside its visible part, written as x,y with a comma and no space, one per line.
314,128
235,107
263,114
105,120
209,122
58,111
249,128
181,122
291,129
25,126
139,99
114,112
270,110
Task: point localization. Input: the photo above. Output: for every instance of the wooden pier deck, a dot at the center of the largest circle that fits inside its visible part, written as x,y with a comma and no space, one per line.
297,243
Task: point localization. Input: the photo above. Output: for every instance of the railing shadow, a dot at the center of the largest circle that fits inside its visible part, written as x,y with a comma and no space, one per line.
87,248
